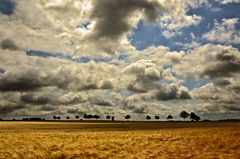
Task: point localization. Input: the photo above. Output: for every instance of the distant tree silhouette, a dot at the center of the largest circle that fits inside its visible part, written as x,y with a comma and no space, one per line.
127,117
108,117
96,117
90,116
35,119
169,117
113,118
157,117
76,116
0,118
59,118
184,115
54,117
148,117
86,116
25,119
67,117
206,120
195,117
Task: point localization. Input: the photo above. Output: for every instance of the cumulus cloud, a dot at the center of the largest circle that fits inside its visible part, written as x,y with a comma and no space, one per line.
39,34
219,61
90,27
217,99
173,91
96,28
175,16
224,32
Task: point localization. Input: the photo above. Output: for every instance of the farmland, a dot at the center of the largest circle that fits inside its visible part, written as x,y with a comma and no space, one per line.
104,139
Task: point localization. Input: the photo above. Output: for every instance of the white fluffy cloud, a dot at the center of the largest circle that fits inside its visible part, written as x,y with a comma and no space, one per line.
219,61
228,1
224,32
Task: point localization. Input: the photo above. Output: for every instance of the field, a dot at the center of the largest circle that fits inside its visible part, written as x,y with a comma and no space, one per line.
86,140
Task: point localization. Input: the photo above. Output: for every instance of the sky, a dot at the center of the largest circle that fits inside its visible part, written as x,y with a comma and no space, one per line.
118,57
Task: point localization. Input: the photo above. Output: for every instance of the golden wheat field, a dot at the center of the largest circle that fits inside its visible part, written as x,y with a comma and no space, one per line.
93,140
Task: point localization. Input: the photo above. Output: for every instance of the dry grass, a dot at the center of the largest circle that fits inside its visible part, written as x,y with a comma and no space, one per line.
119,140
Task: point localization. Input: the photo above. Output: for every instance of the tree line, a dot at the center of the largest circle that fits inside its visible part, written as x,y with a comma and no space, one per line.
183,114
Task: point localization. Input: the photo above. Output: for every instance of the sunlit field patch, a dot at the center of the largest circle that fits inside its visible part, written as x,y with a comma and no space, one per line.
119,140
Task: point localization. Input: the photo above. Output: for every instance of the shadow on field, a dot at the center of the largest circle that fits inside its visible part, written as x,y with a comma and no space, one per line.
106,125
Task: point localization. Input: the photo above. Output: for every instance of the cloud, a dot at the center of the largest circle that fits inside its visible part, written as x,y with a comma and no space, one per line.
151,77
173,91
175,15
220,96
72,98
113,18
34,73
228,1
35,99
224,32
9,102
40,34
219,61
84,27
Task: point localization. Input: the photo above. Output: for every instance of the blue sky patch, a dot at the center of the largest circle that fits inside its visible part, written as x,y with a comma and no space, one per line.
67,57
146,35
2,71
6,7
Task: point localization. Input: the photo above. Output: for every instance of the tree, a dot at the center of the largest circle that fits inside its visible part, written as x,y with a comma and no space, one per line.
184,115
59,118
90,116
195,117
67,117
113,118
55,117
96,117
127,117
157,117
76,116
108,117
148,117
169,117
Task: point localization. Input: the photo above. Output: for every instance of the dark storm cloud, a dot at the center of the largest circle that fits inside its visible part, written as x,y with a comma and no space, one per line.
19,83
7,108
113,16
9,44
